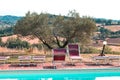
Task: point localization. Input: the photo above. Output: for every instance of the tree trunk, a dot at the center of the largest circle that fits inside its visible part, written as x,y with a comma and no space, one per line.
64,45
48,46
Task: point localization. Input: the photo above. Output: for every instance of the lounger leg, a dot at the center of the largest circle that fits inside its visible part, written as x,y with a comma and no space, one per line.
97,62
42,64
4,62
54,65
63,64
118,62
80,61
72,62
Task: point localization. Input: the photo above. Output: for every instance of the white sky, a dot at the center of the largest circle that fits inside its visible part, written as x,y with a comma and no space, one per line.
95,8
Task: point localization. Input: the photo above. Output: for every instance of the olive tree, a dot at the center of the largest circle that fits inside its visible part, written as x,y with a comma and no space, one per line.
56,30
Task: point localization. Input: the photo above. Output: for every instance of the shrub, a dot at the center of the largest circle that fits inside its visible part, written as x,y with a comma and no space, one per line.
107,50
17,43
89,50
93,50
39,46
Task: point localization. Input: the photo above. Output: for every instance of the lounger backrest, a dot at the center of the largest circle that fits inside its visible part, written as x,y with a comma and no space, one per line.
22,58
73,50
59,54
4,57
38,57
73,46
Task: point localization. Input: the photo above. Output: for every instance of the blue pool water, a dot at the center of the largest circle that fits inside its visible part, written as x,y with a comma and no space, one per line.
77,74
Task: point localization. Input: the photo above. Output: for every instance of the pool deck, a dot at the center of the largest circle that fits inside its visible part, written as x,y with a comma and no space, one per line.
48,65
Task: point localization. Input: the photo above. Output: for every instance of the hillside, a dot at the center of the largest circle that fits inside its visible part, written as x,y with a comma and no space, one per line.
113,28
8,20
31,41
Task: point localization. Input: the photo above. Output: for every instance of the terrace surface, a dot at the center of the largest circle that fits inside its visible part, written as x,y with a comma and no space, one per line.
87,63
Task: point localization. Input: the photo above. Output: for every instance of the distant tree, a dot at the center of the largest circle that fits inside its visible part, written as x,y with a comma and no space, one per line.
100,20
119,22
109,22
56,31
104,33
6,31
1,43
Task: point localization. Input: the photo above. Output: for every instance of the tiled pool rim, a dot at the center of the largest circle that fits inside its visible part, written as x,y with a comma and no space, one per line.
61,70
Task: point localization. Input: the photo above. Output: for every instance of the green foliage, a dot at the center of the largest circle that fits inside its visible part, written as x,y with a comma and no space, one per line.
1,43
104,33
8,19
57,31
107,21
89,50
115,53
16,43
6,31
39,46
93,50
107,50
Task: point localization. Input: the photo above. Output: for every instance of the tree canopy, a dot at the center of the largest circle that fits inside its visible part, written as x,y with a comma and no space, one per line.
56,30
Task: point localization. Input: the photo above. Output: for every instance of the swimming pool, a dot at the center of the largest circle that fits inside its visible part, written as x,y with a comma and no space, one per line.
69,74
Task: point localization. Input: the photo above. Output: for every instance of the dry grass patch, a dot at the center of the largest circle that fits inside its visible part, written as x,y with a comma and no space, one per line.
113,28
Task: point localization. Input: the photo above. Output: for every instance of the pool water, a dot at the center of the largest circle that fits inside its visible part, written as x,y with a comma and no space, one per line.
76,74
